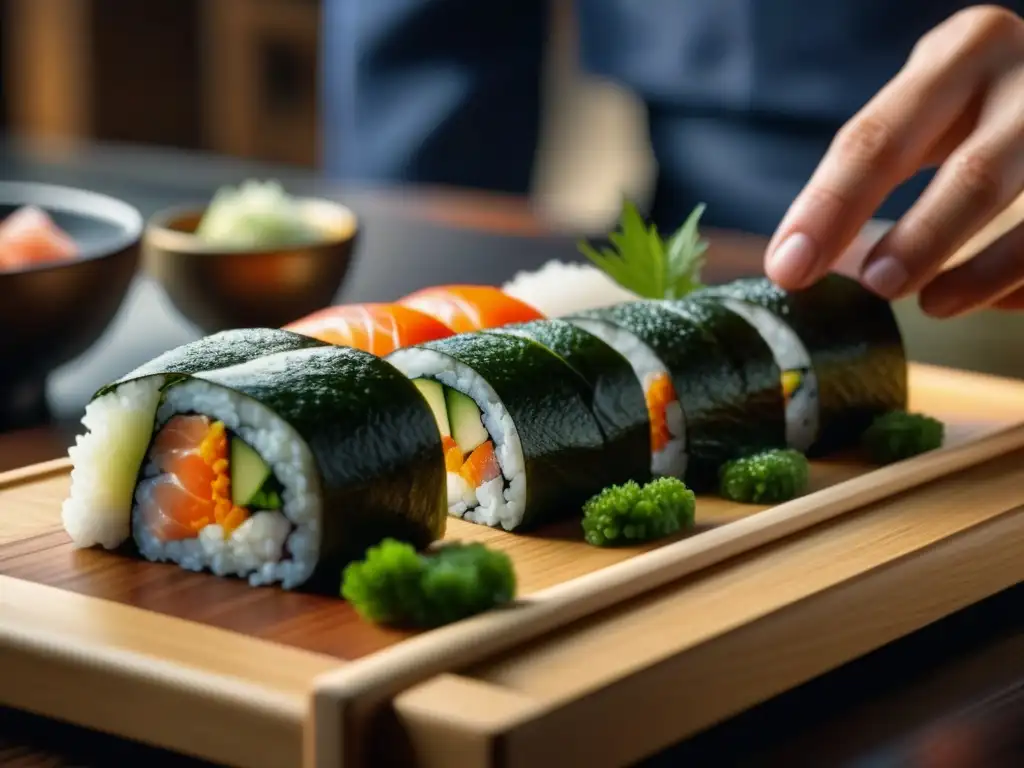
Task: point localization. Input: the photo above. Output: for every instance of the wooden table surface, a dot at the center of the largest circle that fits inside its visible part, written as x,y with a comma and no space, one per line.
951,695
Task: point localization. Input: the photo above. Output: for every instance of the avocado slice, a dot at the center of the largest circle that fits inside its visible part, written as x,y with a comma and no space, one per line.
249,472
433,393
467,425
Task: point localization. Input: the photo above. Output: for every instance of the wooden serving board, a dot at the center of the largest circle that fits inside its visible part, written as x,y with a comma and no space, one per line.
262,677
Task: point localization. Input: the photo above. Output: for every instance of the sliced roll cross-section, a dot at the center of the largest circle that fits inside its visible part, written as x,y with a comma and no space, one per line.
610,387
118,423
521,444
697,392
286,467
840,349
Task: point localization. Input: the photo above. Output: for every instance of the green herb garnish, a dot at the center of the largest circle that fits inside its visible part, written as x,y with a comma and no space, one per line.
632,514
396,585
770,477
899,435
646,264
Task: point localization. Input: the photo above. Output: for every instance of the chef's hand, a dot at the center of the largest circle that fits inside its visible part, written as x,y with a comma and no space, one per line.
958,104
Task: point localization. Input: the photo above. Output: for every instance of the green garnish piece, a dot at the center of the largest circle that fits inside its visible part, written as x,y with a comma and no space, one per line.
898,435
631,514
265,498
770,477
646,264
398,586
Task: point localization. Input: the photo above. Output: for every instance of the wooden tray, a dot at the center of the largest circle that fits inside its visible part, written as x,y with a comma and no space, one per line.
758,601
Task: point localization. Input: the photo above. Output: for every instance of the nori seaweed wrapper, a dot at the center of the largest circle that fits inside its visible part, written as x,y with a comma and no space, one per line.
855,345
561,440
375,441
752,357
611,388
218,350
722,421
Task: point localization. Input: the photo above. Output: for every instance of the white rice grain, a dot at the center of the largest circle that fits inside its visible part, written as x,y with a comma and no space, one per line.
105,463
561,288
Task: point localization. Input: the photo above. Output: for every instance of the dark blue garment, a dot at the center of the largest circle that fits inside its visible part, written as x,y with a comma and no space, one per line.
744,96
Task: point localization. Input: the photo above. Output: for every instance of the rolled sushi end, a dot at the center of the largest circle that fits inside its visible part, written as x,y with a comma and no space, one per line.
229,487
483,452
668,427
799,382
105,463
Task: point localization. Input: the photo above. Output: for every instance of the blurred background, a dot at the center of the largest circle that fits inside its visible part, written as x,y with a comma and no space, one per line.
241,78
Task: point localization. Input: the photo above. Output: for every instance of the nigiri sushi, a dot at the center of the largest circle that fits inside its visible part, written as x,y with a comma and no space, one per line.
465,308
379,329
29,237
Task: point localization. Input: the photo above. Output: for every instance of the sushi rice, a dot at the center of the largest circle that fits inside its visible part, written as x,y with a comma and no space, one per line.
106,459
502,500
671,460
270,546
799,382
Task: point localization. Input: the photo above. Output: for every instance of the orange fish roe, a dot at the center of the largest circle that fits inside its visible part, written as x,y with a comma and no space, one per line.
660,393
481,466
452,454
214,450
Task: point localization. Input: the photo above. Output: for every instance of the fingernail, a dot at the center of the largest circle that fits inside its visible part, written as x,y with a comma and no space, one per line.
886,277
793,260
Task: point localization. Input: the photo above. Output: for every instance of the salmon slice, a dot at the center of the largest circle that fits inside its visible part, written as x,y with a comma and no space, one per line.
465,308
379,329
169,511
29,237
481,466
193,486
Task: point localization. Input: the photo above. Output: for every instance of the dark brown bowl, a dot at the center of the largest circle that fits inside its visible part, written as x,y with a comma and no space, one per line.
52,313
218,288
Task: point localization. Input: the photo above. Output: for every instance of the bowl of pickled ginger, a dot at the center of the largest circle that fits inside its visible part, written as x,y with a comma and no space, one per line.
254,256
67,259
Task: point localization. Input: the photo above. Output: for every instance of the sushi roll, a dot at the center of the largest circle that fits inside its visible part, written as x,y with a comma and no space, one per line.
701,412
281,469
840,350
466,308
611,388
375,328
798,383
752,357
521,443
118,423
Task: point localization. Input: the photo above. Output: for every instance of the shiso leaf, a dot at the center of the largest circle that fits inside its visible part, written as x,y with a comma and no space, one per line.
642,262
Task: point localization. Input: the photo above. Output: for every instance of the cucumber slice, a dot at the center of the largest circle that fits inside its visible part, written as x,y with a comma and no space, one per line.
467,425
248,473
433,393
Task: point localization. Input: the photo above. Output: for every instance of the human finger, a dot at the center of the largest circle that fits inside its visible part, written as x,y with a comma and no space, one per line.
978,180
888,141
983,280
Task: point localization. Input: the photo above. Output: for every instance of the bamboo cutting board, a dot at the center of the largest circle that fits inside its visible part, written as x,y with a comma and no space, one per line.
259,677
